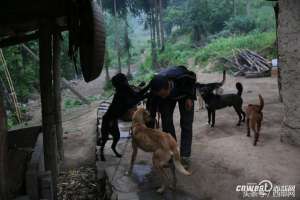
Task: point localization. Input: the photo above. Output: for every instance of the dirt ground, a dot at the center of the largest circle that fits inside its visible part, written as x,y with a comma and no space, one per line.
223,157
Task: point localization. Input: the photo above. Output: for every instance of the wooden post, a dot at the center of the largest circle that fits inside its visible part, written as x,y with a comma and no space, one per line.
57,95
3,152
48,102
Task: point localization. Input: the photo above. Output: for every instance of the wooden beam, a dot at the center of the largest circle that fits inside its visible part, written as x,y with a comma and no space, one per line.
57,94
47,100
3,152
63,80
18,39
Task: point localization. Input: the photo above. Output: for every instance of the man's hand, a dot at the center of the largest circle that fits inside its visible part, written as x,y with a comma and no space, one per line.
189,104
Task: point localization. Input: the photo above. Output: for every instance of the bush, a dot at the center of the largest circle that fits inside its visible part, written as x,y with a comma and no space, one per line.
71,103
240,24
223,47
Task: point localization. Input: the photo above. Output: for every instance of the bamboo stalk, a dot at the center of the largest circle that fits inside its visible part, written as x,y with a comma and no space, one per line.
11,87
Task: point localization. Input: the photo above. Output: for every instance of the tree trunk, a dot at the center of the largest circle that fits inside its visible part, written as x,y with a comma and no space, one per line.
153,41
57,94
107,77
156,19
117,39
127,46
248,8
47,101
3,151
234,7
162,34
289,62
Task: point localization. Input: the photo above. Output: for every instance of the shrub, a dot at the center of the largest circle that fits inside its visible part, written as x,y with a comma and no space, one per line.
223,47
240,24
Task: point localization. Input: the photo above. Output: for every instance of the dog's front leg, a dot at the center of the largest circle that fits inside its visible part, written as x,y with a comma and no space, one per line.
173,170
133,157
209,115
248,127
213,115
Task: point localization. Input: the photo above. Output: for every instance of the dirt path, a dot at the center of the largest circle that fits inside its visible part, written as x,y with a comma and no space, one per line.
223,157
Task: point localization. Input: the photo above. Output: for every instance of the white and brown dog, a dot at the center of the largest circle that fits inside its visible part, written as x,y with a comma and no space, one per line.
161,144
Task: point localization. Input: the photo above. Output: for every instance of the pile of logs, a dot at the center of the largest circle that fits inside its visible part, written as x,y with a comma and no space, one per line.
249,64
79,184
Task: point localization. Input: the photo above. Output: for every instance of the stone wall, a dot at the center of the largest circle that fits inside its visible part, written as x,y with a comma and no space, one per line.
289,61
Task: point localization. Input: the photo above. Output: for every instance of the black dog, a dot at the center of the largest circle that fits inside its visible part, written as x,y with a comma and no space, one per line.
212,86
214,101
125,98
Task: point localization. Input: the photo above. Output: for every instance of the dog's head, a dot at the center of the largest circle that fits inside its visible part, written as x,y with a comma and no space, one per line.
119,81
141,116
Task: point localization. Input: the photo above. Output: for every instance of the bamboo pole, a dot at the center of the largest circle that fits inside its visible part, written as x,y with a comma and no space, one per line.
11,87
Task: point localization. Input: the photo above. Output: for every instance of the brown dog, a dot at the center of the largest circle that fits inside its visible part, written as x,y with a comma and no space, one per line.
254,117
161,144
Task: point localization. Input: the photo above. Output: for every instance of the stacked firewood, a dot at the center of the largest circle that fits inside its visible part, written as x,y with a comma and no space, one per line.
249,64
77,184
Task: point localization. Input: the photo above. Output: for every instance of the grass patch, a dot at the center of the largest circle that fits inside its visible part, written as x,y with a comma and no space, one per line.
223,47
71,103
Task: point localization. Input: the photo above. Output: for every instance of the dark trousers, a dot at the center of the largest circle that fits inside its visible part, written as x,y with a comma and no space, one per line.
166,108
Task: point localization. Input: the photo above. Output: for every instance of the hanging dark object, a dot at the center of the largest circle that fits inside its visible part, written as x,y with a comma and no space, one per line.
87,33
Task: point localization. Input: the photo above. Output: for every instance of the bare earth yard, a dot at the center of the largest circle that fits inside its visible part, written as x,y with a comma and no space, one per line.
222,157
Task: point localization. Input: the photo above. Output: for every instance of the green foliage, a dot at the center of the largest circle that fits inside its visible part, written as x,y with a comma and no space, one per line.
23,71
176,52
71,103
240,24
223,47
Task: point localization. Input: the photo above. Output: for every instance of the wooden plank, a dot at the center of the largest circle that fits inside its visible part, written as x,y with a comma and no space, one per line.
34,9
47,100
3,152
57,94
18,39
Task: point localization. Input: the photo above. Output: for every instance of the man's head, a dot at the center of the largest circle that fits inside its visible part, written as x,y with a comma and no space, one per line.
160,86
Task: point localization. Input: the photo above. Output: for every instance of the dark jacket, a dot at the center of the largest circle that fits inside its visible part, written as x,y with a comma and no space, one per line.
183,87
183,82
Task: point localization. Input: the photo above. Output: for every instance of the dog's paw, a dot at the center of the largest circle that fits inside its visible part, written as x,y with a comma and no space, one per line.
128,173
119,155
161,189
102,158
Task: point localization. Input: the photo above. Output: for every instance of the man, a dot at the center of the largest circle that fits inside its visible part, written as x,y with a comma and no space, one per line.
171,86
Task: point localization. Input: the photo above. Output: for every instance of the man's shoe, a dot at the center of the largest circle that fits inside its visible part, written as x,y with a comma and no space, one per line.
186,162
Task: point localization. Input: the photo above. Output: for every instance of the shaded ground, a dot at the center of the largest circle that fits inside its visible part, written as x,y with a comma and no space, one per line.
222,157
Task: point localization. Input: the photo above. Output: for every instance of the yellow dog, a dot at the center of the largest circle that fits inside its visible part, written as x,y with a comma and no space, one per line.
161,144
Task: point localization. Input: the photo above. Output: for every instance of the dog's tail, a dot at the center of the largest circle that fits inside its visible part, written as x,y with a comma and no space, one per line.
224,78
262,103
239,88
177,163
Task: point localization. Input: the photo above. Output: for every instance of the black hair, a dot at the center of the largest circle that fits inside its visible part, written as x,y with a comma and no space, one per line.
159,82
